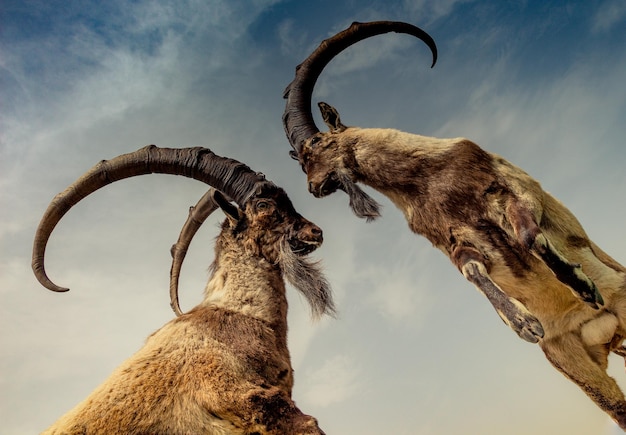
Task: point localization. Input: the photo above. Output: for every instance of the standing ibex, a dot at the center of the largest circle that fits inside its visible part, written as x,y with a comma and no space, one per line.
223,367
522,248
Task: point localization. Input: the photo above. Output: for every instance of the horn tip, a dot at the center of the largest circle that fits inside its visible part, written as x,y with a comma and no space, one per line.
43,279
176,309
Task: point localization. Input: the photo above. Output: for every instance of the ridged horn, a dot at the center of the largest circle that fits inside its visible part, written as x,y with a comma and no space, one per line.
197,215
297,118
230,176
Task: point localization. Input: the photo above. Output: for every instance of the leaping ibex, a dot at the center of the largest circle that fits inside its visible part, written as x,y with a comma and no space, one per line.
521,247
223,367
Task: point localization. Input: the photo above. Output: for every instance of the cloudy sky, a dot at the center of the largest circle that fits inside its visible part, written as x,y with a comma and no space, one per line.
415,350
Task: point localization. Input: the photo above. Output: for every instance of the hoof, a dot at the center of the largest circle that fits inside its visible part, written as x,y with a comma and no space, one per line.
520,320
530,329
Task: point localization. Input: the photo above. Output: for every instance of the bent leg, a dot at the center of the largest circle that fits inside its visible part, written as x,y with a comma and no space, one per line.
568,354
571,274
568,273
510,310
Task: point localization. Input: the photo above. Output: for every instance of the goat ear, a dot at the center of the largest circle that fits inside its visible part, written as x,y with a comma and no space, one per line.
230,210
294,155
331,117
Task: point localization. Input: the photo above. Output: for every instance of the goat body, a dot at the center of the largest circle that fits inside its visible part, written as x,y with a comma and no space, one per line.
217,369
523,249
519,245
223,367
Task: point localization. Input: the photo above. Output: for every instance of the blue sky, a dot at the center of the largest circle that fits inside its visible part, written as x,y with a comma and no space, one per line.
415,350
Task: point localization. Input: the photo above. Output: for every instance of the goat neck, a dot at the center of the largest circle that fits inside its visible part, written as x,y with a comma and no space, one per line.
245,282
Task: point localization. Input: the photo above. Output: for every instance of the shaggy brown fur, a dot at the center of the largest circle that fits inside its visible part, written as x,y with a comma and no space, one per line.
523,249
520,246
302,274
223,367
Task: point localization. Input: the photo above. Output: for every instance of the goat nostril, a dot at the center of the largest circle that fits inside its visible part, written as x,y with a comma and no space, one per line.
316,231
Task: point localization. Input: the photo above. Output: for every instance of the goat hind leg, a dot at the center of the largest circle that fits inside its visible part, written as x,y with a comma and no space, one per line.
568,273
510,310
568,354
530,235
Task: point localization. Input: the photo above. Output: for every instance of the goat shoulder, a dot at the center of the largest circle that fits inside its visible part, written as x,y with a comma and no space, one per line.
192,374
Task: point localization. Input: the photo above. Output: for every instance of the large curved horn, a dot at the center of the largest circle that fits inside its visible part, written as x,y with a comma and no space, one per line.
235,179
297,118
197,215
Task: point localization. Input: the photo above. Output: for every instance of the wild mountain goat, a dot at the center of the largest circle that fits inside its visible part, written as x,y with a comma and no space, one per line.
523,249
223,367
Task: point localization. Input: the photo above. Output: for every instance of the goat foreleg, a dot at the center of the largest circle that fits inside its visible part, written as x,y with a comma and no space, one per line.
470,262
571,274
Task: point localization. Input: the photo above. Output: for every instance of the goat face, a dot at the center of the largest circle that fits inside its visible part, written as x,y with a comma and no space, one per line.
269,219
270,227
300,126
323,156
324,165
329,162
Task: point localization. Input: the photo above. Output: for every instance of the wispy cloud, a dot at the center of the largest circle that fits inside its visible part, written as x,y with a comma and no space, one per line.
429,11
177,73
335,381
400,293
609,14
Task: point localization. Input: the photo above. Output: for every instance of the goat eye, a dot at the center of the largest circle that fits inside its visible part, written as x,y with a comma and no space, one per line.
262,205
315,140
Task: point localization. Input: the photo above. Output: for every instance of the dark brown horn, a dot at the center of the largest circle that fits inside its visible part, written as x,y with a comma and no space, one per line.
197,215
297,118
235,179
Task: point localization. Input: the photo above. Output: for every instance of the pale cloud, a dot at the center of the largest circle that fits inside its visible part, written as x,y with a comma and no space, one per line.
610,13
399,273
396,294
515,119
335,381
399,295
430,11
292,40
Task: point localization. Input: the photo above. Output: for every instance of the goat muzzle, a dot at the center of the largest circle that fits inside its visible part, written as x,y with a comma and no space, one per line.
329,185
307,239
